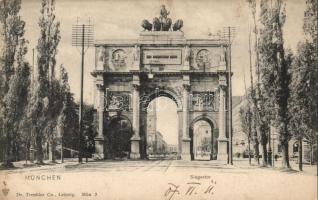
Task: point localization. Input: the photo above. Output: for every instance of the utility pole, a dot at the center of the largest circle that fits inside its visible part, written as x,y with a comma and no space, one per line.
32,142
248,119
269,156
82,36
229,32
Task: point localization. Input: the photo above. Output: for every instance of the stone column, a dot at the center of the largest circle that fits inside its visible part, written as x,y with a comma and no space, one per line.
222,140
99,139
187,57
136,64
180,133
185,120
135,139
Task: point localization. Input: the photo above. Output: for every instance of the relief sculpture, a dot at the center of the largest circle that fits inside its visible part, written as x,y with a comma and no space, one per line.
119,59
203,100
119,101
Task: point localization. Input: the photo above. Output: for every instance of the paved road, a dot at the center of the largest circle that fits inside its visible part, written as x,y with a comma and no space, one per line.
154,179
164,166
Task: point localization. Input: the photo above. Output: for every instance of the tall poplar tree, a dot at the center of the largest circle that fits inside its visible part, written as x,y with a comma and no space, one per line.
304,85
41,110
274,66
261,121
12,64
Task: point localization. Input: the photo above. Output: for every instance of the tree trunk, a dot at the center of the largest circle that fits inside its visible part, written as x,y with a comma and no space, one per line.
300,154
269,154
53,148
311,154
285,156
7,162
39,149
31,155
26,154
264,155
62,156
256,152
249,152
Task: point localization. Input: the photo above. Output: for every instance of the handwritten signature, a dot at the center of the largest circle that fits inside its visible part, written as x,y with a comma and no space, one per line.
190,189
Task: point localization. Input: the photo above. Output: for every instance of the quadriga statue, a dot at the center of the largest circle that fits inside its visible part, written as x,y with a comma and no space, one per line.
162,23
146,25
178,25
166,24
156,24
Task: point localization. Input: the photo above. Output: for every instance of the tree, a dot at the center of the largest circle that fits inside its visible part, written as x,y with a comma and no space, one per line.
260,108
14,75
89,130
274,65
43,111
68,118
252,95
304,85
246,124
15,102
12,30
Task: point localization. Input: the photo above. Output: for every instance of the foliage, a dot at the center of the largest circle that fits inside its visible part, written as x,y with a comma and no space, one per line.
304,86
68,119
45,100
311,21
246,119
274,65
12,30
14,79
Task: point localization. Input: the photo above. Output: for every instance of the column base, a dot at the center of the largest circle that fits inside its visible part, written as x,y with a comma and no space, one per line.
99,148
222,150
185,154
134,150
99,156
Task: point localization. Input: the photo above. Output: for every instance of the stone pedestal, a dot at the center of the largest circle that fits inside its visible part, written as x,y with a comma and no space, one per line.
99,148
135,143
222,150
186,149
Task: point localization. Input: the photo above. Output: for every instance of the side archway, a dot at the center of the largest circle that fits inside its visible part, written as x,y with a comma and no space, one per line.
118,134
204,144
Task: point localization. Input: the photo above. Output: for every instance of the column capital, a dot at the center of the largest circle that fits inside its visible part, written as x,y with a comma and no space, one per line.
186,87
136,86
222,80
100,86
222,87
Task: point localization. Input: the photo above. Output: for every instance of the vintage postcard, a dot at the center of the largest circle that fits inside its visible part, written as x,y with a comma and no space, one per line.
158,99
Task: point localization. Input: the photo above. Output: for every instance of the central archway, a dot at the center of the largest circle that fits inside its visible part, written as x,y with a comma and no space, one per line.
162,129
160,124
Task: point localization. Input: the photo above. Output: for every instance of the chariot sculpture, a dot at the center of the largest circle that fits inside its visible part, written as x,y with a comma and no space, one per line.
163,23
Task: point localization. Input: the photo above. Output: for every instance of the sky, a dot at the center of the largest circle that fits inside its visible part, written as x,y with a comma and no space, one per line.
121,19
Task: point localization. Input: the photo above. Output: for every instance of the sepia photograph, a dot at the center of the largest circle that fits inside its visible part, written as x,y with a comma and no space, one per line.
158,99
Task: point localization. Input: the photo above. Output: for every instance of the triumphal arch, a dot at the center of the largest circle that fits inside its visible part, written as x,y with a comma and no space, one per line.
129,74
